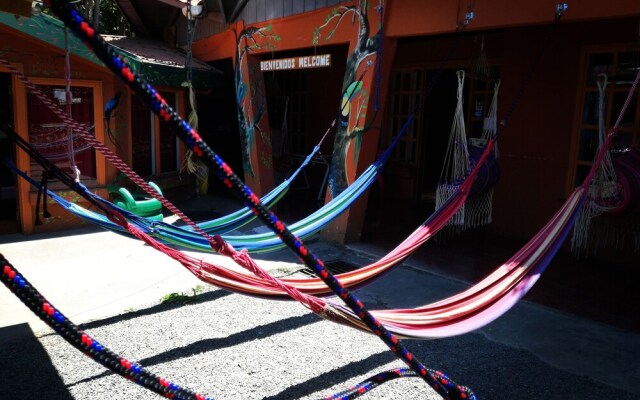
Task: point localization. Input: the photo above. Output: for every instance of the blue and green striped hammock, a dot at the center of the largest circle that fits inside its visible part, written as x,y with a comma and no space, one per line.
187,238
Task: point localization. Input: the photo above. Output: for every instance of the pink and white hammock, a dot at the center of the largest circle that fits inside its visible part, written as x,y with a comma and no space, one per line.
455,315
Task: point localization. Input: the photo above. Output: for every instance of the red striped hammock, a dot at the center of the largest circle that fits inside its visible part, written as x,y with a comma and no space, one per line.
455,315
464,312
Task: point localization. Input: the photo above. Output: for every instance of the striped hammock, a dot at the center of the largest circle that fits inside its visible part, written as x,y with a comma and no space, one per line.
187,238
249,284
455,315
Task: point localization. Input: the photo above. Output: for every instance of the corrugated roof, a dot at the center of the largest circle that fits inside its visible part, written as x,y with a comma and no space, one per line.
152,52
158,63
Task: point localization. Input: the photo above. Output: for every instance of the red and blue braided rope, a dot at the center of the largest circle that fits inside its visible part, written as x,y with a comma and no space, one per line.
32,293
371,383
70,332
77,23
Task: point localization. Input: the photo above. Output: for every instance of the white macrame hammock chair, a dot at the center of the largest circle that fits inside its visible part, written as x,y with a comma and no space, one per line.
604,185
477,211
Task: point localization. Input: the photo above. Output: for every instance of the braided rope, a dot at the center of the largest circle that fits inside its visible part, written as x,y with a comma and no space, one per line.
371,383
21,288
74,20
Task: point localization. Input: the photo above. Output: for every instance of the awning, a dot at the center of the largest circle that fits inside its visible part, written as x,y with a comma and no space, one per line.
49,30
159,64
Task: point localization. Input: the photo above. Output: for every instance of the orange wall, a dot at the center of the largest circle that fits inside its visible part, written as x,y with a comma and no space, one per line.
295,32
411,18
43,63
536,148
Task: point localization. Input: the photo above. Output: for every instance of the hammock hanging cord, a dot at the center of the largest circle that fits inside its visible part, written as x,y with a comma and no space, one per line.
68,100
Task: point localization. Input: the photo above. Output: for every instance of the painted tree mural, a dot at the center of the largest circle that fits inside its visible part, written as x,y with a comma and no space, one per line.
250,99
354,96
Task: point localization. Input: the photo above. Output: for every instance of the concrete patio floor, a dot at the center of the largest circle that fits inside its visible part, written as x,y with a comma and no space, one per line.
230,346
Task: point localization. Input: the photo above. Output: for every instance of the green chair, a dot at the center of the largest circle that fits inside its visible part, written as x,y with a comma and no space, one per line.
143,206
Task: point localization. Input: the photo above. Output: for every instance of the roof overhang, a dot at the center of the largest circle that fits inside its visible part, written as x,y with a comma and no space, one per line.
47,29
158,64
161,65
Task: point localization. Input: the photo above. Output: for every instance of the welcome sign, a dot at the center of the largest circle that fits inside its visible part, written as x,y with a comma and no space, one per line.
282,64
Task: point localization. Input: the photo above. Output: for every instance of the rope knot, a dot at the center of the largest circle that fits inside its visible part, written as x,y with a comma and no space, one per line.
217,243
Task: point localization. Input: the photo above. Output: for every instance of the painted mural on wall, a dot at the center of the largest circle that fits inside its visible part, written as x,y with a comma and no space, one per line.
354,97
250,98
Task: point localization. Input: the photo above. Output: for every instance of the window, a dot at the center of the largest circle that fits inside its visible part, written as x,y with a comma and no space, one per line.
620,66
406,89
419,155
155,148
50,136
481,93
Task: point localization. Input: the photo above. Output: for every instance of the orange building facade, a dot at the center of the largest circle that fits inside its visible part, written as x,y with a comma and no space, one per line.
545,148
34,46
365,65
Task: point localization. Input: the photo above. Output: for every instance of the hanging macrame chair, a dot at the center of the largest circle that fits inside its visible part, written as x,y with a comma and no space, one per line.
479,206
612,211
461,156
456,159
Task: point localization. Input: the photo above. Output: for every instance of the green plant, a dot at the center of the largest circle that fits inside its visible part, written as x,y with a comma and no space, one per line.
182,298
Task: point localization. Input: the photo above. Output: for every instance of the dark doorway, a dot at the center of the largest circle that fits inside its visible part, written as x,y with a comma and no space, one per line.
438,117
218,124
411,176
9,222
302,103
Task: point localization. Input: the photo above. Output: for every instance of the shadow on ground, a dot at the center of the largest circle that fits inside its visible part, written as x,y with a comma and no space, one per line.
44,380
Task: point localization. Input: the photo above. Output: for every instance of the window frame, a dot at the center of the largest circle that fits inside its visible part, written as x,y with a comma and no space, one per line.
414,94
156,165
96,86
582,90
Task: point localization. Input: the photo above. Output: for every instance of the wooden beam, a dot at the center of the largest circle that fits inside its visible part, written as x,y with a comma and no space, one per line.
132,15
178,3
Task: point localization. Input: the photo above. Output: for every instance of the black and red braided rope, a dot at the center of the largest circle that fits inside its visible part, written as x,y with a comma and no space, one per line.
76,22
68,180
31,298
371,383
